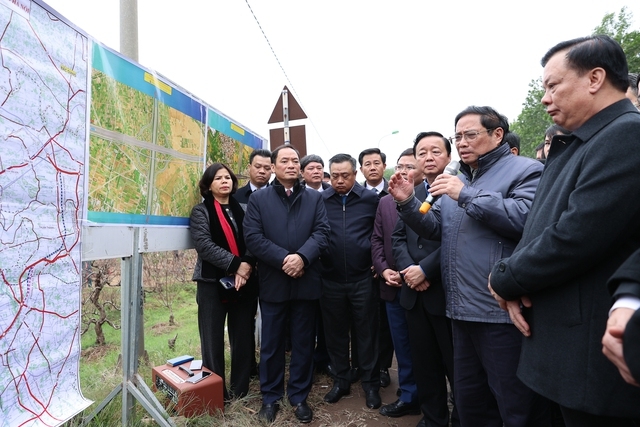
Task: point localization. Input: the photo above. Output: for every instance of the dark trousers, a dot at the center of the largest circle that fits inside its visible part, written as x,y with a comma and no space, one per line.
320,354
300,317
400,334
486,389
573,418
211,320
360,302
385,341
432,355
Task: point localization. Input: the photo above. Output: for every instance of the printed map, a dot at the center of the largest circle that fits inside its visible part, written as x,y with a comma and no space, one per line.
43,116
146,158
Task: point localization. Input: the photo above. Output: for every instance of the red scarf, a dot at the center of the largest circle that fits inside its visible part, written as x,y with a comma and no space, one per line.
226,229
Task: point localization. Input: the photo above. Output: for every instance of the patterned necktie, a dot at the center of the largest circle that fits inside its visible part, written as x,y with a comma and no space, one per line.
288,191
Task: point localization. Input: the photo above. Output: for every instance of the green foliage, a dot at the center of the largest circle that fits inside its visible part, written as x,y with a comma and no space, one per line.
388,172
532,121
619,28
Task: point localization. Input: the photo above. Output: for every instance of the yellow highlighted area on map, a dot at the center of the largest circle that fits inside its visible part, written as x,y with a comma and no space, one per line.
157,83
237,129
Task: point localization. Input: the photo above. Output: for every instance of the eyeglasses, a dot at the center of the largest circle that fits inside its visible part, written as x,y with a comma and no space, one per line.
469,135
400,167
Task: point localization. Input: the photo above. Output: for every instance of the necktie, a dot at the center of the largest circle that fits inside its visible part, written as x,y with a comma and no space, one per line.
288,191
375,190
344,199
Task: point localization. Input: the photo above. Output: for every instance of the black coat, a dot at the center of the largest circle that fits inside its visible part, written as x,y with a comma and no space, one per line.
583,224
411,249
275,226
214,257
348,258
626,282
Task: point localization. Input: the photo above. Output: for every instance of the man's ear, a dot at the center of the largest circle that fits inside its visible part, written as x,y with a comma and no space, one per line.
597,77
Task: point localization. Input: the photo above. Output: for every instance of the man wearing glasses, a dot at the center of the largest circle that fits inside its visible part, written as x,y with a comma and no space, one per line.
479,219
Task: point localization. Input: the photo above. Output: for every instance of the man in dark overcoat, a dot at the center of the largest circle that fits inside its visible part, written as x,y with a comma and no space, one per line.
582,226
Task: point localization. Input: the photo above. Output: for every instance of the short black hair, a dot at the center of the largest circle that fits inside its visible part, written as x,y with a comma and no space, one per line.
554,130
259,152
447,144
310,158
368,151
341,158
489,118
274,153
210,173
407,152
513,139
599,50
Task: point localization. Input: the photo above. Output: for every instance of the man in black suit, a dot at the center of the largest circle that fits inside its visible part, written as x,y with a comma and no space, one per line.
259,175
312,171
422,294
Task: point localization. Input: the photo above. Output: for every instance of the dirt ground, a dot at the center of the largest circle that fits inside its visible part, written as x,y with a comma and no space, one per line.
352,411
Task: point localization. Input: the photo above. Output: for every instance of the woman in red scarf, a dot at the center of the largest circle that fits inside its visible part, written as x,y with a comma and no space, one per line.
216,230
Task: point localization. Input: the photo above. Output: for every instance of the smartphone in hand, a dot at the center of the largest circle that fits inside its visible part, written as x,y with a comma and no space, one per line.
228,282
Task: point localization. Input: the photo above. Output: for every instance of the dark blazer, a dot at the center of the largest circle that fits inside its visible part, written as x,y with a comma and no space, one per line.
384,191
242,194
381,251
626,282
275,226
411,249
582,225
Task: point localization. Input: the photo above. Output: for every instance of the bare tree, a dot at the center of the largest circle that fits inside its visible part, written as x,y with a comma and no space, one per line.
102,292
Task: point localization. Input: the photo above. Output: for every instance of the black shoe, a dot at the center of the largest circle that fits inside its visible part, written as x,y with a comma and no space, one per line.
335,394
354,375
268,412
399,409
303,413
385,379
373,399
422,423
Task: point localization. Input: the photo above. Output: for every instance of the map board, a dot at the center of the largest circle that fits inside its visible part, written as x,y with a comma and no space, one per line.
88,139
43,123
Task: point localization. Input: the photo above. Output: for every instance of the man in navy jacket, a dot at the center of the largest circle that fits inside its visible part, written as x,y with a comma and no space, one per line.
348,291
286,228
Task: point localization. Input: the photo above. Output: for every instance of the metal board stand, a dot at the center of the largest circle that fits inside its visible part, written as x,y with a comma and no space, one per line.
133,386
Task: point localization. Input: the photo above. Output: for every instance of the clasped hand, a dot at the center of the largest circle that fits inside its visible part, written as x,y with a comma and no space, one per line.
293,265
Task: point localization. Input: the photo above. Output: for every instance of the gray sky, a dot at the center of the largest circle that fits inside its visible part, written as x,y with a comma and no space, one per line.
360,69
